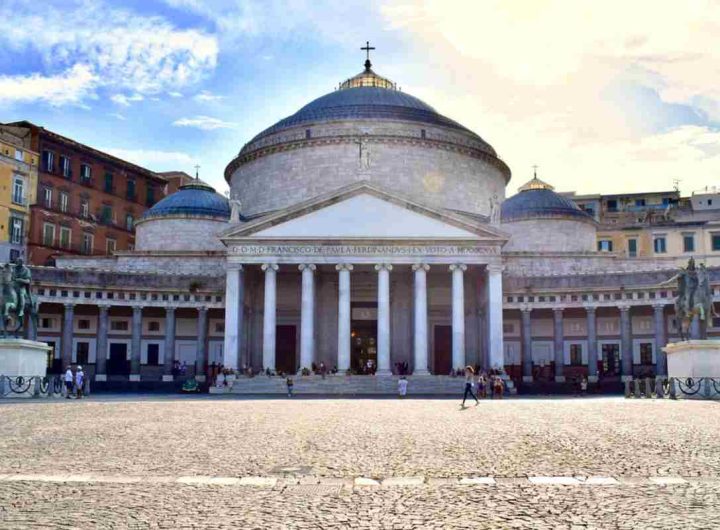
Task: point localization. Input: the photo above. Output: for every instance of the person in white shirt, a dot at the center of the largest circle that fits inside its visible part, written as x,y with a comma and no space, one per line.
402,386
69,379
79,381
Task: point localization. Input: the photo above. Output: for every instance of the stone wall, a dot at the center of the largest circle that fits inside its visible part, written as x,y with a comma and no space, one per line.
428,174
550,235
151,264
181,233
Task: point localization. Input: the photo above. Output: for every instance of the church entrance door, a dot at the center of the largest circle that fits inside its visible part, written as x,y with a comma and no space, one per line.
285,345
118,364
364,345
442,354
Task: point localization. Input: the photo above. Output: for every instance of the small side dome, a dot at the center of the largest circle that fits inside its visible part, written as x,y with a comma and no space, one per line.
191,200
535,200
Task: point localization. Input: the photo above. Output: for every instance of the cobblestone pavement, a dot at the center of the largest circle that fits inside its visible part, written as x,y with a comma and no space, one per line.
630,440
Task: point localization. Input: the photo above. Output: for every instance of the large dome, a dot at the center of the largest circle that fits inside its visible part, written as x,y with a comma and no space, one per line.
196,200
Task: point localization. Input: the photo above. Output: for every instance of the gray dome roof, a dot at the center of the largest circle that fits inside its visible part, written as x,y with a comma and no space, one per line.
196,200
368,102
540,202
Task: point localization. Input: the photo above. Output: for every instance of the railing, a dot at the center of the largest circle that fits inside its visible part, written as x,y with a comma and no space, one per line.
35,386
674,388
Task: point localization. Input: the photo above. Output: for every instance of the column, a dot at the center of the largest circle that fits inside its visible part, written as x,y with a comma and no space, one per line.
383,319
458,316
421,317
136,344
495,317
527,345
234,308
660,340
67,336
558,340
101,351
343,362
626,343
307,316
169,354
269,315
202,355
592,345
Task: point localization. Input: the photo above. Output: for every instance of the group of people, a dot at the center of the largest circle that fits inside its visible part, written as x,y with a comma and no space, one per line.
179,369
74,382
492,384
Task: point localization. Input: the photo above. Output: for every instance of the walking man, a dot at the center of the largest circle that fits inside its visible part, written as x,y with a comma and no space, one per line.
69,382
469,382
79,381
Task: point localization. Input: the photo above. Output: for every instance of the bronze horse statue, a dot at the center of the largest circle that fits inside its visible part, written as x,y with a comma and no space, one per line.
9,310
694,299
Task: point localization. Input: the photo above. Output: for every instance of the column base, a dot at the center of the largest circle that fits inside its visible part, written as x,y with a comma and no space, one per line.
624,378
100,377
559,378
592,379
527,379
200,378
168,378
421,372
384,373
134,378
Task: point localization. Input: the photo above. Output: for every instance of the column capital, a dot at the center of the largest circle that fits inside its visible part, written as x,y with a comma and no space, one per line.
624,308
495,268
269,267
590,308
383,266
137,308
659,306
234,266
104,308
202,309
69,307
421,266
344,267
307,266
458,266
170,309
526,309
558,310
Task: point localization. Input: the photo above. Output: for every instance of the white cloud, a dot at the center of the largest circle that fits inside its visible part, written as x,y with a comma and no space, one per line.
118,49
175,94
125,101
205,123
153,159
206,96
70,87
118,116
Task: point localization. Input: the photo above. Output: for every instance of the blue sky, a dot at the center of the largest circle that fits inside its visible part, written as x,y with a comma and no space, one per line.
600,104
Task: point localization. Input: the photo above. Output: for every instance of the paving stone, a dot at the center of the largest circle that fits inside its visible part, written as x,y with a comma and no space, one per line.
403,481
264,482
364,481
601,481
667,480
555,481
473,481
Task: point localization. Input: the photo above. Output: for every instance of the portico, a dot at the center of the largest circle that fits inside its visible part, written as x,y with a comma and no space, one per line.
367,265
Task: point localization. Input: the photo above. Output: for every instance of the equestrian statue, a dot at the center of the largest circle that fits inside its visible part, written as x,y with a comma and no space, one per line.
17,300
694,299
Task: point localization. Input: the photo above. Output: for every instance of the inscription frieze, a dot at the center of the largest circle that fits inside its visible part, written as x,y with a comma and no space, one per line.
362,250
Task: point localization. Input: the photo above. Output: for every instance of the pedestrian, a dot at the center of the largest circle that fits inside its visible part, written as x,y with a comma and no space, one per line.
481,390
583,386
499,386
402,387
289,383
323,370
69,379
79,382
469,382
183,368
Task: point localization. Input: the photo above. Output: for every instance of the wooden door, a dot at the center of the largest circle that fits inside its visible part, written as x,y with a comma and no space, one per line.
442,354
118,363
285,344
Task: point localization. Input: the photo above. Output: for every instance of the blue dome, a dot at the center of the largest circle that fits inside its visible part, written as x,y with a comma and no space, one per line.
368,102
540,203
196,200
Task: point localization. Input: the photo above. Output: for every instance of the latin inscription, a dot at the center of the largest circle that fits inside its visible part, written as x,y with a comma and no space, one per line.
360,250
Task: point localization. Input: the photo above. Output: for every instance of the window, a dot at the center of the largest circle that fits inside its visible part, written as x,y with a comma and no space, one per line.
659,245
110,246
129,222
605,245
84,208
18,196
646,353
576,354
65,166
106,214
47,323
150,195
219,327
709,201
508,327
131,190
14,254
612,205
47,197
82,352
119,325
64,200
19,155
85,173
48,235
153,325
87,243
48,161
153,354
108,182
83,323
65,237
16,231
688,242
715,241
639,202
632,247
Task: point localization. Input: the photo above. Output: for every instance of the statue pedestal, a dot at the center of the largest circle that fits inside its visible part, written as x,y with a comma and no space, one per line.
21,358
695,368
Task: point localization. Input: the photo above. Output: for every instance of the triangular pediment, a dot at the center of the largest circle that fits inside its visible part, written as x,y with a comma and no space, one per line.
364,212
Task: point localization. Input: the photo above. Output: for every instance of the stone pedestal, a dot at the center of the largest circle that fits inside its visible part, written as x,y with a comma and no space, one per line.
694,367
22,358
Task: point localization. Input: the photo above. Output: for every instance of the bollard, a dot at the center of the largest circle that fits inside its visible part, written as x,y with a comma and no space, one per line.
659,388
673,389
636,385
708,388
628,393
648,388
36,387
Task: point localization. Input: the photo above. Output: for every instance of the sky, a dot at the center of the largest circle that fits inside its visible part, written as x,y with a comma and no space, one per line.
604,97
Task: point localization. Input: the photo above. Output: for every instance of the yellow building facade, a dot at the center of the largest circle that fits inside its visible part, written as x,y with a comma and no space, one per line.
18,185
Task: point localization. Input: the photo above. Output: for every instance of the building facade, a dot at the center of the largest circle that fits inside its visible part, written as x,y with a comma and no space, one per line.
87,200
367,230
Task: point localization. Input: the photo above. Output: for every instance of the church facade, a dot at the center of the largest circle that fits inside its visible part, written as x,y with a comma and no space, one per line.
365,232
